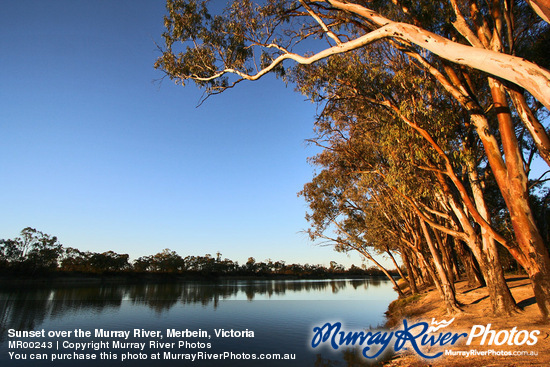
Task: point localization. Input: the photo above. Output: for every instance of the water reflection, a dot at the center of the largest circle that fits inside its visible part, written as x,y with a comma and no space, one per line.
25,308
281,312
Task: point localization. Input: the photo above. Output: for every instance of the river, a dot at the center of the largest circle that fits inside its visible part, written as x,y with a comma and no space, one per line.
200,323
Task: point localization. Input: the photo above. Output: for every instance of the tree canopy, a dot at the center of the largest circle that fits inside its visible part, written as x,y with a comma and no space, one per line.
250,40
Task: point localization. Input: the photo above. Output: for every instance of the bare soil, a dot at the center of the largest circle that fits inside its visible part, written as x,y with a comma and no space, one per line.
477,311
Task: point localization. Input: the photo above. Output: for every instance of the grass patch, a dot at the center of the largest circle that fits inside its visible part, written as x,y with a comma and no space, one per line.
403,302
401,308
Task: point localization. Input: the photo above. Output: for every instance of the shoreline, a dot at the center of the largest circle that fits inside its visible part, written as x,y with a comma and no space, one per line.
476,311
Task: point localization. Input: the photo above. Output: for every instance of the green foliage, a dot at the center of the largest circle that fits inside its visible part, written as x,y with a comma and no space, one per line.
199,44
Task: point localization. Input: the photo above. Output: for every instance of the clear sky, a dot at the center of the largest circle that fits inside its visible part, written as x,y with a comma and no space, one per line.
99,153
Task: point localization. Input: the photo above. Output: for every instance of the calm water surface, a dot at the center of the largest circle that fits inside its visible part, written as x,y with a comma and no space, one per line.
281,313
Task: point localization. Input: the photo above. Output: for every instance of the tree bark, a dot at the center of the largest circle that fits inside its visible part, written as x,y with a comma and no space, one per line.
447,289
542,8
446,257
501,298
411,273
512,181
396,265
533,125
471,267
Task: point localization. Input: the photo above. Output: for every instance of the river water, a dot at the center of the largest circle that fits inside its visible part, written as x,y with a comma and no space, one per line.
281,314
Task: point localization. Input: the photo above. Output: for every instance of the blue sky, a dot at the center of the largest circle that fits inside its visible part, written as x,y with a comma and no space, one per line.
99,153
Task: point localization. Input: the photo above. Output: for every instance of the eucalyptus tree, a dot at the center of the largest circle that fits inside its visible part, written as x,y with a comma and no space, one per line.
338,220
247,41
363,171
432,166
167,261
32,251
230,40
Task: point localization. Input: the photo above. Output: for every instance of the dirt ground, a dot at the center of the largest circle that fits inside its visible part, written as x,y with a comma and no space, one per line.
477,311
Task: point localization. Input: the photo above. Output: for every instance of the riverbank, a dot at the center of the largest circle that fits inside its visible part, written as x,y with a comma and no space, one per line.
477,311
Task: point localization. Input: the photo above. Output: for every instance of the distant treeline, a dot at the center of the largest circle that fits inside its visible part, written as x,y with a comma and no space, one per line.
37,253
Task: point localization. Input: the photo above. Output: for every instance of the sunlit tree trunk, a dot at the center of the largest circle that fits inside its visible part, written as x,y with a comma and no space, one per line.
502,300
533,125
542,8
446,257
512,180
412,276
395,264
447,289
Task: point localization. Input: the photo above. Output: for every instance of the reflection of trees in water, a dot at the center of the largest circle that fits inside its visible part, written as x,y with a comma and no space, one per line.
335,287
208,293
27,308
20,310
69,299
159,296
365,283
282,287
